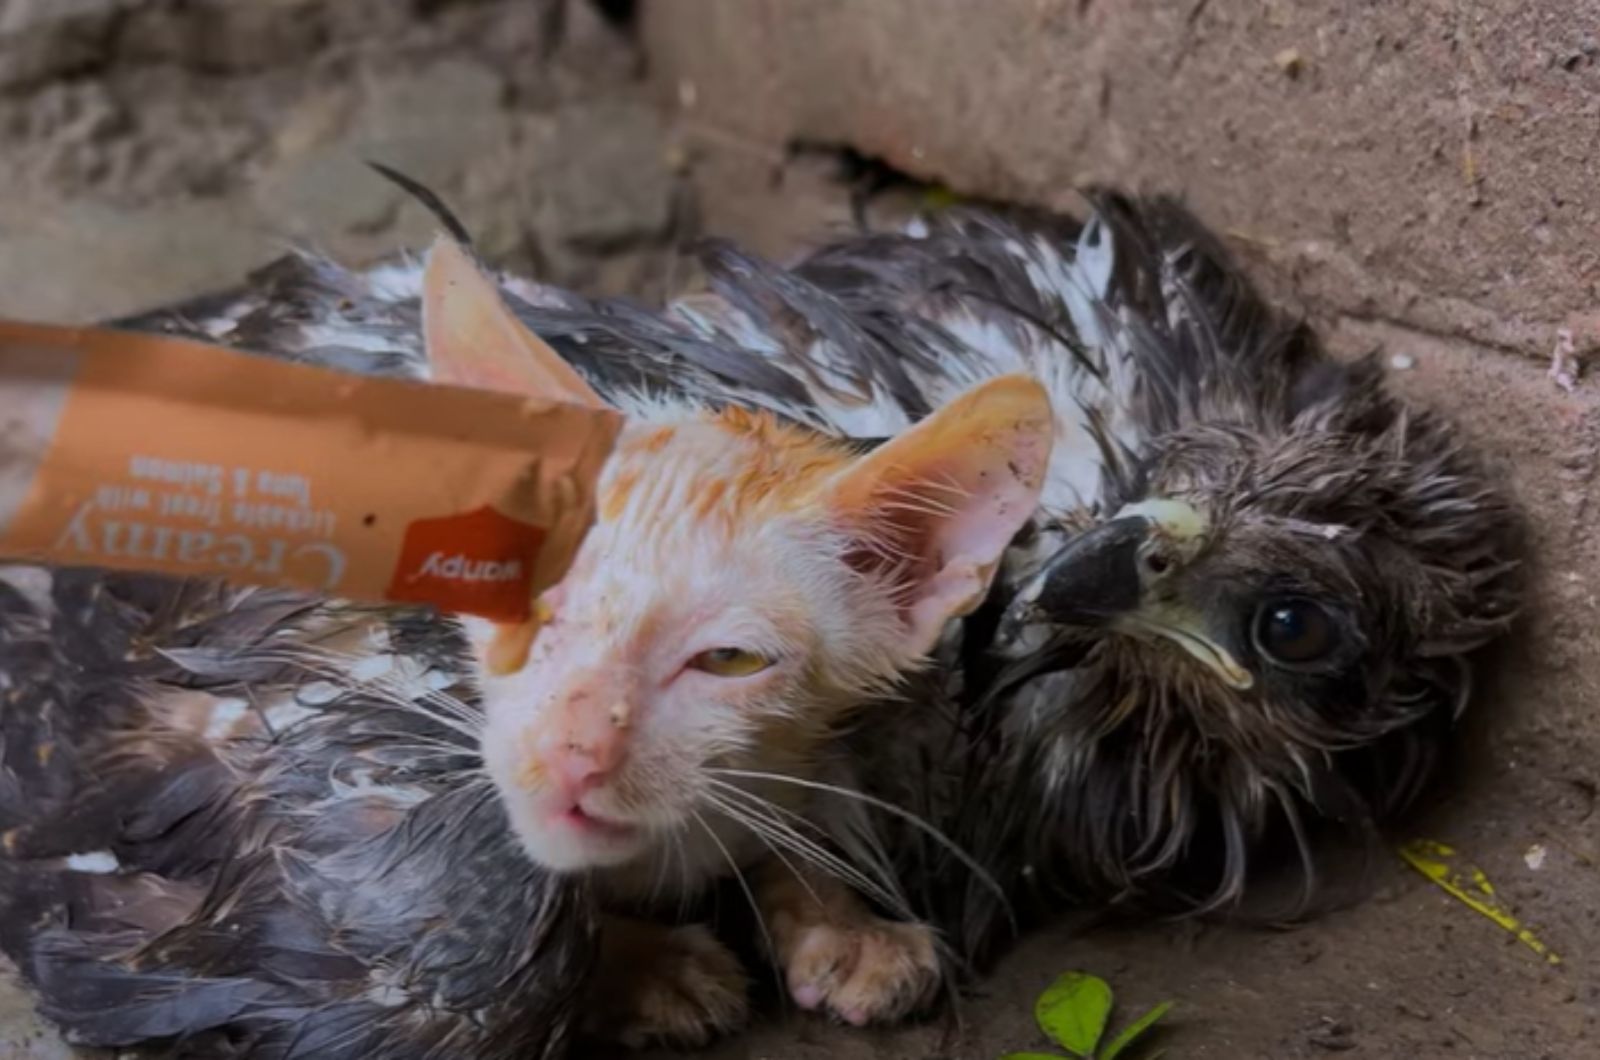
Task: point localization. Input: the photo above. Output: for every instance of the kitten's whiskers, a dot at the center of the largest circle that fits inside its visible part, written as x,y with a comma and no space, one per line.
879,804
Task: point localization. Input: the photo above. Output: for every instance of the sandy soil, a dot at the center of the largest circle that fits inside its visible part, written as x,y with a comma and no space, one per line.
122,189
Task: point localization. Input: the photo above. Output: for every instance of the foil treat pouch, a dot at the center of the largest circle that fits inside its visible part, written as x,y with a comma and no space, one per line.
147,453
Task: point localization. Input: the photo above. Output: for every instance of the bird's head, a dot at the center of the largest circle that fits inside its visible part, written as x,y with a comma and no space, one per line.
1277,606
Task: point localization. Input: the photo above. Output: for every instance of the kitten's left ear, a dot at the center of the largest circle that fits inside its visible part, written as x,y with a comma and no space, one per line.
473,338
934,509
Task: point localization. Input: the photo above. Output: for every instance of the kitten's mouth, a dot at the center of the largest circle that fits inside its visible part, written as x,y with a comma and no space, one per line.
581,820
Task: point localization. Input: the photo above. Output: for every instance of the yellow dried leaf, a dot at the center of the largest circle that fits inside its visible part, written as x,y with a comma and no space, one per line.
1468,885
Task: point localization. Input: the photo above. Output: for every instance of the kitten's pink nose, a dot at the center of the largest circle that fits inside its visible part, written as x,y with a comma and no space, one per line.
580,767
584,746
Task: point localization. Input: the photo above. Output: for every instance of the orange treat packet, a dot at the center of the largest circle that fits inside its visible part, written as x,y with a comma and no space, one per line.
147,453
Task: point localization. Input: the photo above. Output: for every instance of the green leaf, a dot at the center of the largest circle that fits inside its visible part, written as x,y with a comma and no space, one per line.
1073,1012
1134,1030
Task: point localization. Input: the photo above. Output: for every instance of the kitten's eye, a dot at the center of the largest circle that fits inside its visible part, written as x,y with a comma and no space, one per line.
729,662
1295,630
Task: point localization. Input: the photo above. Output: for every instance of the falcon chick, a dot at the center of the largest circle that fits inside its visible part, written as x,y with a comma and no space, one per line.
1256,623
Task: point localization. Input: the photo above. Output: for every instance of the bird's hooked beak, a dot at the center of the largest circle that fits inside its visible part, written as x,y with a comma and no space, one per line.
1111,577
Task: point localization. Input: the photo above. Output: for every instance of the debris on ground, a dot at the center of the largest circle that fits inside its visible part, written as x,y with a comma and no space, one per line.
1564,364
1331,1034
1290,62
1469,885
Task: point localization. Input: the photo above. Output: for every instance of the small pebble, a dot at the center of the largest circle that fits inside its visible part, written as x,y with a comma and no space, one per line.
1413,1011
1333,1035
1290,61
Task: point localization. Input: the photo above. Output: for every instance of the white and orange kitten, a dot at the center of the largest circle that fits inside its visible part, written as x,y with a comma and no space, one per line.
746,585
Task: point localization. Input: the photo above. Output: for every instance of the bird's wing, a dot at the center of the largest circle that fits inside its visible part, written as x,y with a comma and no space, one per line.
1136,322
880,329
245,820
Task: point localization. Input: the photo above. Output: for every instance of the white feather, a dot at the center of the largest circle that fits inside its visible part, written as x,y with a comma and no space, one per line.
96,862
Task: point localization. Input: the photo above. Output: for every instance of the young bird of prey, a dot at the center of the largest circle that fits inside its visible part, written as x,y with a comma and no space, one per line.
1247,618
1245,605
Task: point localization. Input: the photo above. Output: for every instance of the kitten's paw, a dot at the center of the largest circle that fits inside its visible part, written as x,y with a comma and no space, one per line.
676,986
868,971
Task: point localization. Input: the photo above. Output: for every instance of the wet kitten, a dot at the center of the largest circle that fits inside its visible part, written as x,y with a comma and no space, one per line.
746,585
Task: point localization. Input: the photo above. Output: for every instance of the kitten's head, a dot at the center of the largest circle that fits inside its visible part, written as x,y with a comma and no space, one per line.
744,586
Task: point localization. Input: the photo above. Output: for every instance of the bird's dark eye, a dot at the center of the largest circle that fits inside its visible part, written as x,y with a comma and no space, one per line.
1295,630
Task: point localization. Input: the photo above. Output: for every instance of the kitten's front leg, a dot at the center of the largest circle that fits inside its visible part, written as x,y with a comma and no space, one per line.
838,955
662,984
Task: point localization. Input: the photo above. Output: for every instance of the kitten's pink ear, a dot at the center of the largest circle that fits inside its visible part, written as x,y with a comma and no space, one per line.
936,507
473,338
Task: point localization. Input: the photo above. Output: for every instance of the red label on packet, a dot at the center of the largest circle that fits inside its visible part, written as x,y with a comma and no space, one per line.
480,563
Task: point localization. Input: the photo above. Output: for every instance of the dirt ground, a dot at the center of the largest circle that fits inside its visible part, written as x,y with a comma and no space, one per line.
152,151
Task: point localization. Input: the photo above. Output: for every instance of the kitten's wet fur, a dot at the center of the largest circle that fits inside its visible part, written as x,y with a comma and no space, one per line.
746,586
